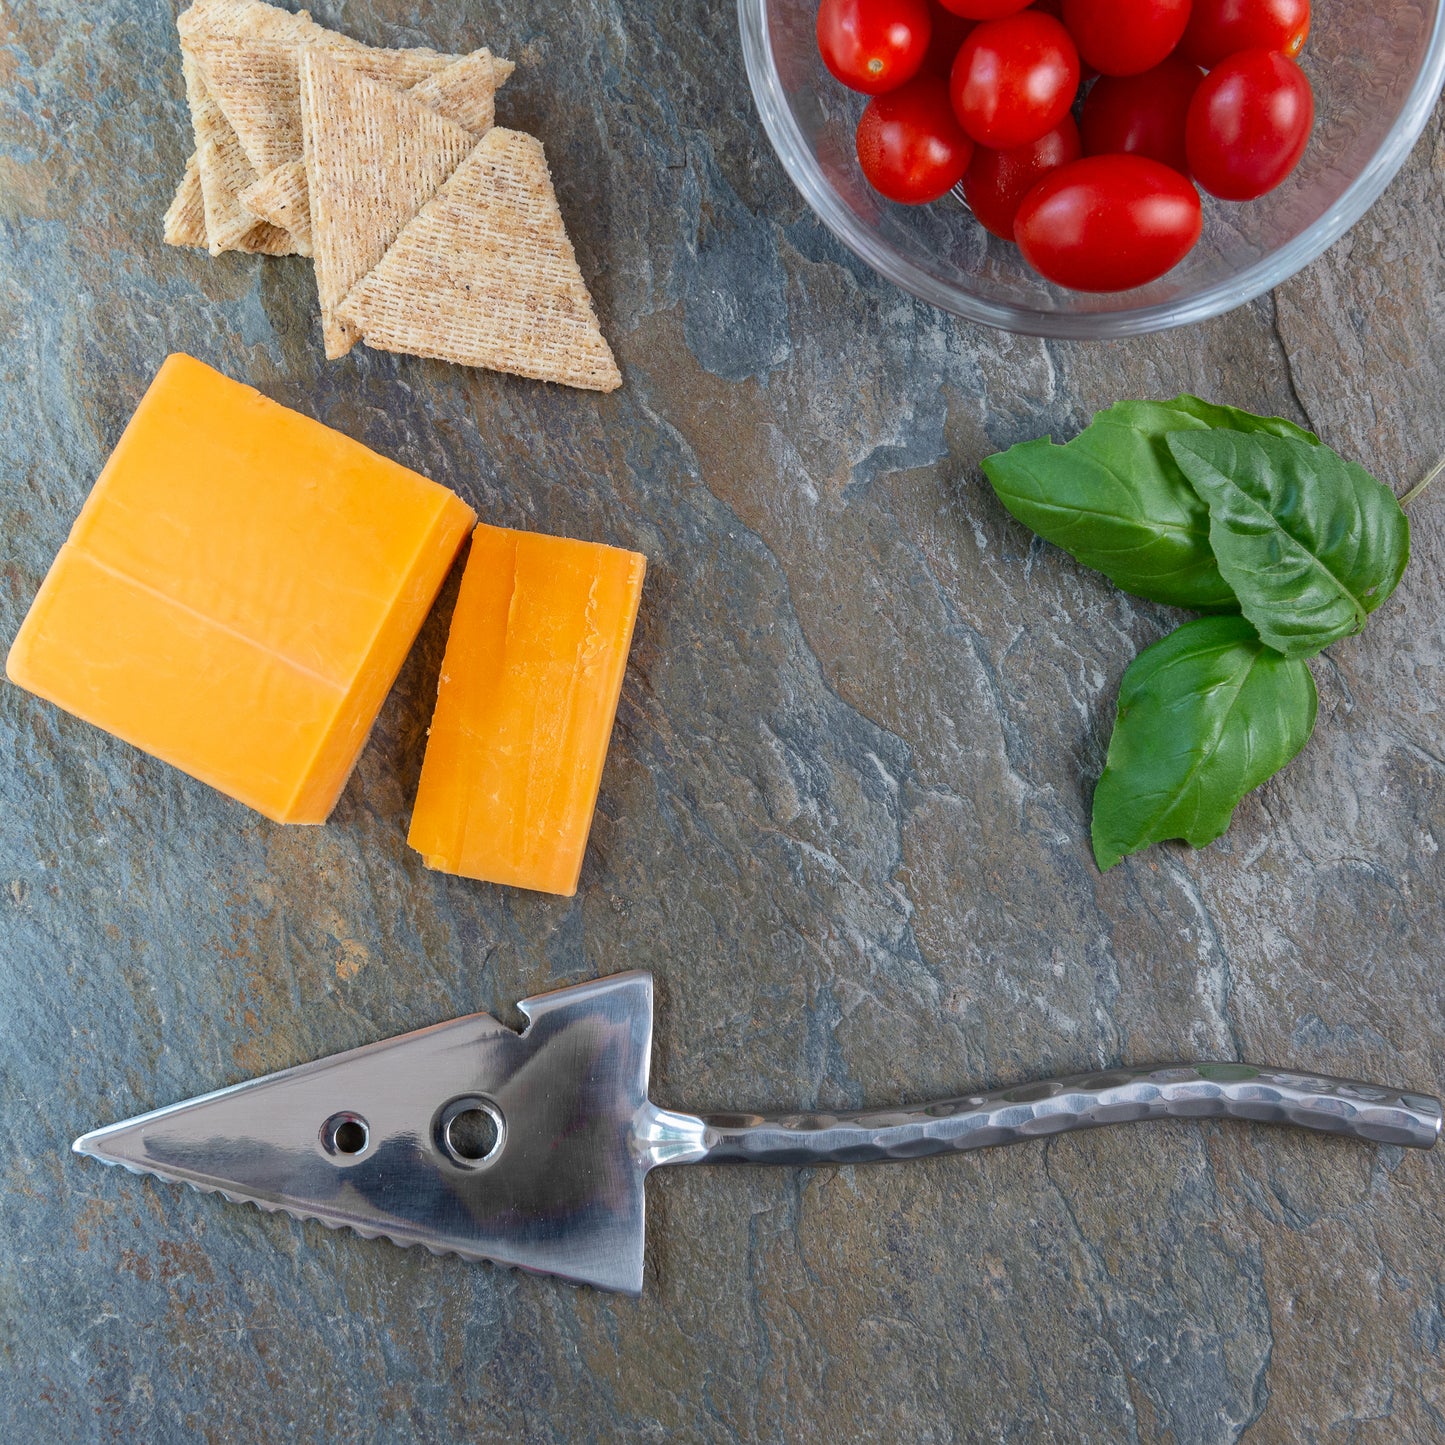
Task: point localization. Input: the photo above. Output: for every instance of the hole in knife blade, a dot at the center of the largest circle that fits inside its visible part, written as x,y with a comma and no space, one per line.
472,1134
471,1131
351,1137
346,1134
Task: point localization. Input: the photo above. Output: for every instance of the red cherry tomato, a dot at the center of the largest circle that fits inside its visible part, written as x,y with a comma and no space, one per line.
1125,37
996,182
1248,125
1141,115
1220,28
1056,9
949,33
910,144
873,45
983,9
1015,79
1107,223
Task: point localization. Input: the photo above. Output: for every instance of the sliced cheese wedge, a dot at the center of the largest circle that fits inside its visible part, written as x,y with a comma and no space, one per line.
525,706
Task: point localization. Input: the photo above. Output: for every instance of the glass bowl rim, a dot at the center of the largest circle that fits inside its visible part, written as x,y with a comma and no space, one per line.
1262,275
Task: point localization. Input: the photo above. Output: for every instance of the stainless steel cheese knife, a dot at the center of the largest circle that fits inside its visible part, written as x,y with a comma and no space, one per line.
532,1149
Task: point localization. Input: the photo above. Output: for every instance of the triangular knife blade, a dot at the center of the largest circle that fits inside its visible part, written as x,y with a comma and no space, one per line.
382,1138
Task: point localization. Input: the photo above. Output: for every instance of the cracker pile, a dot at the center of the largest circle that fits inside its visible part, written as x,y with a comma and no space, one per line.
432,231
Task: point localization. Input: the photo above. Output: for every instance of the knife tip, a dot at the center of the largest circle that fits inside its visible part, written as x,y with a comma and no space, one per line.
89,1145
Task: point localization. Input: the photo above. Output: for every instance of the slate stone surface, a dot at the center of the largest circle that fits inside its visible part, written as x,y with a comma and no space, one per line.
844,822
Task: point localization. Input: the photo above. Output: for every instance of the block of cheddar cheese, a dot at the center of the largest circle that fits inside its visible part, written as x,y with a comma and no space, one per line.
525,706
239,592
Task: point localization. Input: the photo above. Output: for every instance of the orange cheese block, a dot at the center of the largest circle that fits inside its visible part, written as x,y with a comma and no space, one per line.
239,592
525,707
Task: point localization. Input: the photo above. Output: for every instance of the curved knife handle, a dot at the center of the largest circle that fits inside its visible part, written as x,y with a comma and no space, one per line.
1081,1101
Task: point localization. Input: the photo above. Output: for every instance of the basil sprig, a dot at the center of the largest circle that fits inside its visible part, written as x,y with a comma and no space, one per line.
1216,509
1117,500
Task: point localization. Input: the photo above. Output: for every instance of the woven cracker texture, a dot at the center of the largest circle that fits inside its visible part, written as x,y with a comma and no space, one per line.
256,80
284,199
373,158
485,276
224,173
185,221
466,92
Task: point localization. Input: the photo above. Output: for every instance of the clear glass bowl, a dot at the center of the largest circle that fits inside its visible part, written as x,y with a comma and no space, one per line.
1376,68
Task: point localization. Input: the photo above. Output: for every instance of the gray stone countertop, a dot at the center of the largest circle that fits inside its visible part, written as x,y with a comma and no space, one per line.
844,823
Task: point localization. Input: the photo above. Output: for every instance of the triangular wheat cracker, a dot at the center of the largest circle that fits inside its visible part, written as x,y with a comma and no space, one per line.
374,157
216,17
224,173
257,82
185,223
464,92
284,199
485,276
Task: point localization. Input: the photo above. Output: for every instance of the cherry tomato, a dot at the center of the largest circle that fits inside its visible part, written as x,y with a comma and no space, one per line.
1125,37
1056,9
983,9
1141,115
910,144
1015,79
1107,223
1249,123
873,45
996,182
1220,28
949,33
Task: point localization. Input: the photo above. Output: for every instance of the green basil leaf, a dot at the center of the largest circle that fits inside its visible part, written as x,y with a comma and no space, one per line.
1156,419
1115,499
1105,500
1205,716
1310,543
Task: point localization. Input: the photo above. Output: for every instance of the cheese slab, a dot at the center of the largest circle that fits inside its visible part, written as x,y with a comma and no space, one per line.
239,592
525,706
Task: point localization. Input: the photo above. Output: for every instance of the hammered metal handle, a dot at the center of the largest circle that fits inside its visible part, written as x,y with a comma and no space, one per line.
1081,1101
